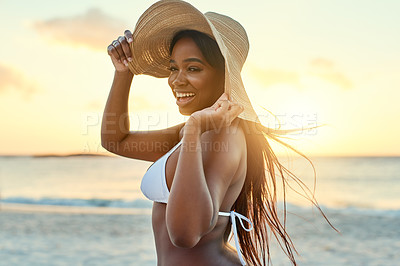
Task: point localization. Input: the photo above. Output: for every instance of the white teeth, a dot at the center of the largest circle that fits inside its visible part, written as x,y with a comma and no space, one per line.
187,94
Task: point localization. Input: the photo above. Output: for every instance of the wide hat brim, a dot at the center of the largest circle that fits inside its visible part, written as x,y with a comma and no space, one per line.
158,25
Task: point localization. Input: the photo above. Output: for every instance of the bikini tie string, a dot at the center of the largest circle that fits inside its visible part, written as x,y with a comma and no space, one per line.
233,216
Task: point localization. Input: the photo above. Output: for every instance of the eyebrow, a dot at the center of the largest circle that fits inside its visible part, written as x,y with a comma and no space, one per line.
191,59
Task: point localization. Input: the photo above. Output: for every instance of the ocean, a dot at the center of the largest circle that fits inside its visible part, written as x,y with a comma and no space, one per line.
88,210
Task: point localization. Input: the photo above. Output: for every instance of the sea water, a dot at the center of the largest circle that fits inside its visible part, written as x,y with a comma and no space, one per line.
360,196
367,183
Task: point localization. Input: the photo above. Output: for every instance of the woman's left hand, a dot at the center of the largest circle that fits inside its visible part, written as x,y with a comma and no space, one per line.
219,115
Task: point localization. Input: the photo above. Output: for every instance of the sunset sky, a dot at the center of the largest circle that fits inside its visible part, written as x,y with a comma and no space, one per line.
310,62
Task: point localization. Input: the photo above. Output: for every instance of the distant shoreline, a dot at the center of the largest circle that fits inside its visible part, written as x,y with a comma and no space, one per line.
32,208
113,155
71,155
58,155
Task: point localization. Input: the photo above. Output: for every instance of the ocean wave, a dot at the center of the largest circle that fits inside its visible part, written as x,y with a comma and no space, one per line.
369,212
112,203
147,204
349,210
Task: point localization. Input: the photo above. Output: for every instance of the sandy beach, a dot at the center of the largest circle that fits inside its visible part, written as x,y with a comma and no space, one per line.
56,237
60,236
46,219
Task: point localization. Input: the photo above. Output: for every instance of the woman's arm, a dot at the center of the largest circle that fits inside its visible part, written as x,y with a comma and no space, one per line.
115,123
203,176
115,134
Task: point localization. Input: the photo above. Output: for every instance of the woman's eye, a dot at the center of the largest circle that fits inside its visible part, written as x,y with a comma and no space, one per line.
193,69
172,69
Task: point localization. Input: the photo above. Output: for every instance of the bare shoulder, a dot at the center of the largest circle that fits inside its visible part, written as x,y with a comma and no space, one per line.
224,160
229,139
225,148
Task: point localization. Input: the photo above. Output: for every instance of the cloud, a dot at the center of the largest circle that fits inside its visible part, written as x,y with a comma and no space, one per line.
268,77
146,103
11,79
95,105
325,70
140,103
320,68
94,29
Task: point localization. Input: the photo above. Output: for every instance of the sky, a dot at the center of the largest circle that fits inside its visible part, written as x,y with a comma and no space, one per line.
311,62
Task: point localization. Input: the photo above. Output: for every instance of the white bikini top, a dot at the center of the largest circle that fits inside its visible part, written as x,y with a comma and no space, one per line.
154,187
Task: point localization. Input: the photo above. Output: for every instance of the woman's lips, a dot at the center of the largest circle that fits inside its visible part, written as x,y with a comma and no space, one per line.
183,101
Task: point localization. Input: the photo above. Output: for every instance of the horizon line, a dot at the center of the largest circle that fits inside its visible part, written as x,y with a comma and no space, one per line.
61,155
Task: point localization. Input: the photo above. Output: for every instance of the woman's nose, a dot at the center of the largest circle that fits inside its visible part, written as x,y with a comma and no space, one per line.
179,80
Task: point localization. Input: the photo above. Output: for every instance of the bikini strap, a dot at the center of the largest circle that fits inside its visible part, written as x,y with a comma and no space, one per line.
175,147
233,216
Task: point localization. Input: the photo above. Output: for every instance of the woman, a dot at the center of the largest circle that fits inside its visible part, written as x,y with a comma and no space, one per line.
209,173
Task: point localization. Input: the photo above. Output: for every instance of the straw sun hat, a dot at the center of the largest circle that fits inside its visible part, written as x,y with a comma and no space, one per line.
160,22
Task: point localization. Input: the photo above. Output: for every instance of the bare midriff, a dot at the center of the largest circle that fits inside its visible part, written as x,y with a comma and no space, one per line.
211,250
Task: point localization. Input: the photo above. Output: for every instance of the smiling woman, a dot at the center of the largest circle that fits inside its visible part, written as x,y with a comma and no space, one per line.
199,192
197,74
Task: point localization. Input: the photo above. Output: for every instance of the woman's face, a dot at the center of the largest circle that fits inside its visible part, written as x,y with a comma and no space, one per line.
194,83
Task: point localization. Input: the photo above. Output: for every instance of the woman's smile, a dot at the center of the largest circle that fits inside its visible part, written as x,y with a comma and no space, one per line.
194,82
184,98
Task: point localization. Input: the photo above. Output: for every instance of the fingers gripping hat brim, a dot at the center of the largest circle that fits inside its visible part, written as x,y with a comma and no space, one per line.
158,25
154,32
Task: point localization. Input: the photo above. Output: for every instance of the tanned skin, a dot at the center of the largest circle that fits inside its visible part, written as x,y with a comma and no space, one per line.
204,175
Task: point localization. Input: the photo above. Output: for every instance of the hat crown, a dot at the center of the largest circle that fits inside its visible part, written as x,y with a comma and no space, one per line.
158,25
233,35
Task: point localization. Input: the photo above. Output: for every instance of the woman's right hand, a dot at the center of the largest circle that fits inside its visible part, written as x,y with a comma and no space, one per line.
221,114
120,52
